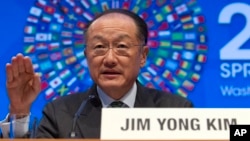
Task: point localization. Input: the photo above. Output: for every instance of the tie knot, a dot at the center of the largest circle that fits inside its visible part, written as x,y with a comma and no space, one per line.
118,104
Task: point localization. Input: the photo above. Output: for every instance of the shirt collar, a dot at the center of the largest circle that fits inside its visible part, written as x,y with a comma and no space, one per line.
128,98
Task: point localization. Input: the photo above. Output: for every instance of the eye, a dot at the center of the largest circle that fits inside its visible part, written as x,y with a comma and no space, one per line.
122,46
99,46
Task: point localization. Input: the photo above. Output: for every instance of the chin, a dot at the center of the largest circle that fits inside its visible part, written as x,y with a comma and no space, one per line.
110,84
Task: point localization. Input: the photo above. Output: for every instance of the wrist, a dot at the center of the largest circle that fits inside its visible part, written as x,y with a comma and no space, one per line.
19,111
13,117
16,117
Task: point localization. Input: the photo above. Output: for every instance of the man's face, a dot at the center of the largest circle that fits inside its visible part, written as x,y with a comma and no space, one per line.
114,53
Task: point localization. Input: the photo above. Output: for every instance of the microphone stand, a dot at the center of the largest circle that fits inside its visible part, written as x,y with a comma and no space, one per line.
91,98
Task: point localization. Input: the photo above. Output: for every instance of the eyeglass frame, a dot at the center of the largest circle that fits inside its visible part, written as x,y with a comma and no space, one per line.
108,47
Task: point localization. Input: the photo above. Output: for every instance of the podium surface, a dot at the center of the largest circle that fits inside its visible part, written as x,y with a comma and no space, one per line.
94,140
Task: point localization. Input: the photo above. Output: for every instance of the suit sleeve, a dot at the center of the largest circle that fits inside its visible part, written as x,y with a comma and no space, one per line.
48,124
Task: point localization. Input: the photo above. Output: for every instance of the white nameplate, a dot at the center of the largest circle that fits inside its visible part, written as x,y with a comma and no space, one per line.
171,123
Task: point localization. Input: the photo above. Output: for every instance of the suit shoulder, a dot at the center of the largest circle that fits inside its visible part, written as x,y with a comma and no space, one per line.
166,99
75,97
67,103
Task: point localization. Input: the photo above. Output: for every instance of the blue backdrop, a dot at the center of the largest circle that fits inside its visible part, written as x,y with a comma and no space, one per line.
198,49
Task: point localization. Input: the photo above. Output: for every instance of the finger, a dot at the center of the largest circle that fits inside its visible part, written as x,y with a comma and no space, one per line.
15,66
20,60
37,83
28,65
9,72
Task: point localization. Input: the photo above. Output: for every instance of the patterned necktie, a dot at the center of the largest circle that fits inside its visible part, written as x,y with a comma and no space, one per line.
118,104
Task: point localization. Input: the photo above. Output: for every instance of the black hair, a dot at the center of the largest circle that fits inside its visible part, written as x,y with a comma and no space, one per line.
140,23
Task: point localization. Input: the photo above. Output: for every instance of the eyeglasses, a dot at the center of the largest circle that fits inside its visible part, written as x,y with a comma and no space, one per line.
121,49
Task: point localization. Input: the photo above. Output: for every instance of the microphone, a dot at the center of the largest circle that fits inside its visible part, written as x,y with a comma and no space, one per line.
91,98
34,128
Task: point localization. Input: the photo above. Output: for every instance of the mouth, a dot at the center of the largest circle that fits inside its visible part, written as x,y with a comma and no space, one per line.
110,73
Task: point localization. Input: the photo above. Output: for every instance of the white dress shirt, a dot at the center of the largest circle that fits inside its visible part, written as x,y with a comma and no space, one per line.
128,98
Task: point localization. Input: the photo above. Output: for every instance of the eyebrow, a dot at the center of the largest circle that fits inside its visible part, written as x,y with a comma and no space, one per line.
121,36
98,37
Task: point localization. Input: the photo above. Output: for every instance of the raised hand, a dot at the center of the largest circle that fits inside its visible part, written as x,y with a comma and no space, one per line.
23,84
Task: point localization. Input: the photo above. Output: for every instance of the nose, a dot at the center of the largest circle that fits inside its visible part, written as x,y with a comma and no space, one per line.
110,59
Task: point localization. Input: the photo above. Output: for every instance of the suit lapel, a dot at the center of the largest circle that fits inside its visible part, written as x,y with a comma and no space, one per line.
143,98
89,124
90,118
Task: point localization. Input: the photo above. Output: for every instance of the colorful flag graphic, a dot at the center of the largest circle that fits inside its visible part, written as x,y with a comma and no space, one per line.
181,9
199,19
59,65
188,55
28,39
54,39
195,77
29,48
53,46
70,60
59,18
55,56
55,82
41,46
177,46
49,9
55,27
201,58
68,51
186,18
201,48
35,11
41,36
167,9
177,36
50,74
66,42
189,46
46,18
41,3
63,90
188,85
44,85
30,29
172,17
45,65
185,64
181,73
49,93
32,19
176,56
72,81
181,92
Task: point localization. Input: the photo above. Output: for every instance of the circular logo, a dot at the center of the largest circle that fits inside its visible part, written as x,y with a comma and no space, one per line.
53,39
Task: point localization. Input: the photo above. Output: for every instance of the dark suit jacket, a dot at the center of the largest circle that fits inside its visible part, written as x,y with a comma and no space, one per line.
58,115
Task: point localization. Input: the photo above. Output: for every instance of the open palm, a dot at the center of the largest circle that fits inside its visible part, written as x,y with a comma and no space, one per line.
23,84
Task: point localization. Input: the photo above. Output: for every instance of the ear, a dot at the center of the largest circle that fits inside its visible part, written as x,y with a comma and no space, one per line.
144,54
85,53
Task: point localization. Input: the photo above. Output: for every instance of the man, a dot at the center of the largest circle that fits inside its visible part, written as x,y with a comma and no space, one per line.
115,51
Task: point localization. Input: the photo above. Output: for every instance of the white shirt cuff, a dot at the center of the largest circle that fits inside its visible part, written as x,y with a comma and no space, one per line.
20,127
